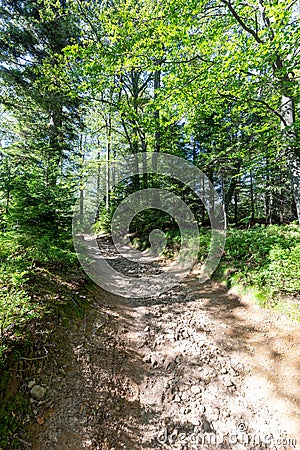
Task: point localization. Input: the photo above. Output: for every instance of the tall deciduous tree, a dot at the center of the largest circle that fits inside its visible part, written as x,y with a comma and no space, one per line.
259,59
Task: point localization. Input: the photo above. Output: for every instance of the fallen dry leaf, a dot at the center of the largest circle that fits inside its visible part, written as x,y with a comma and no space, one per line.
40,420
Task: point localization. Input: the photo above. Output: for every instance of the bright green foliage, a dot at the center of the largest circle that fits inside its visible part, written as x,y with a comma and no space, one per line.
22,261
284,269
266,258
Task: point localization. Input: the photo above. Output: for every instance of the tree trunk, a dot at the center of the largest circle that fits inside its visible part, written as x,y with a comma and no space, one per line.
236,200
8,185
98,175
107,165
81,198
252,197
228,195
56,144
267,194
157,141
291,151
157,137
145,174
203,197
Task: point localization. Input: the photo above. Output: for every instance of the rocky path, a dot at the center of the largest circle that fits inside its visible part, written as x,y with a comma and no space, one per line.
193,368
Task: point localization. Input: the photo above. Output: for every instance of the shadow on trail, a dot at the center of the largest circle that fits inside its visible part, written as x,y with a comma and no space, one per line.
93,386
238,328
274,350
111,396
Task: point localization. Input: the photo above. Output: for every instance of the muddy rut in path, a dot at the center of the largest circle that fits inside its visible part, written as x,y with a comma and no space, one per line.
193,368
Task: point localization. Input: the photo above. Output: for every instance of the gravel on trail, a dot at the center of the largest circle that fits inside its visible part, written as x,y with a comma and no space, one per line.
195,367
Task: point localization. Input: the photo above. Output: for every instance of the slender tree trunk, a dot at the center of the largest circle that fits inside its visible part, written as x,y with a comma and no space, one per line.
136,178
212,197
157,137
113,168
135,141
55,151
203,197
81,198
252,198
98,172
236,207
194,150
228,195
268,212
223,191
157,140
7,185
107,165
291,152
145,174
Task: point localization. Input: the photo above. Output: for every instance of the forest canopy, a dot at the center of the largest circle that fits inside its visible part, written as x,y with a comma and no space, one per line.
214,82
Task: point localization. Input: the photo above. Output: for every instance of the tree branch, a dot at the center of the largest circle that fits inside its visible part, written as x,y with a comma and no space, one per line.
241,22
256,100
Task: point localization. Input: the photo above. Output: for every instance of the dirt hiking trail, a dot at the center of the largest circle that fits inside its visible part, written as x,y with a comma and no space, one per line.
196,367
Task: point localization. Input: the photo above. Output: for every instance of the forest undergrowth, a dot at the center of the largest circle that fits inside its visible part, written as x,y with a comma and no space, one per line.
42,287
